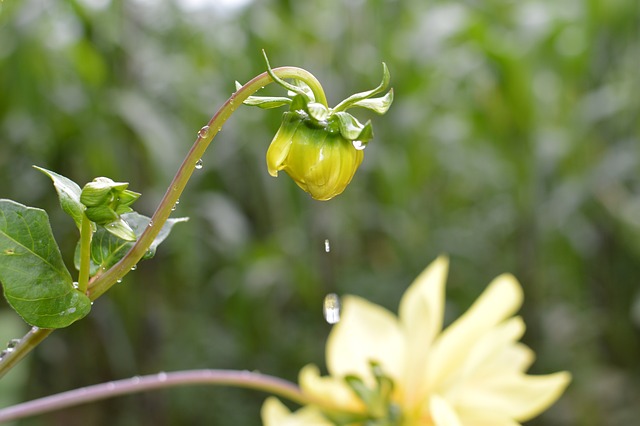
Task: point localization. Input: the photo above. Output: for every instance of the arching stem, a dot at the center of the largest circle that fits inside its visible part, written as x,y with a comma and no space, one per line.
244,379
99,284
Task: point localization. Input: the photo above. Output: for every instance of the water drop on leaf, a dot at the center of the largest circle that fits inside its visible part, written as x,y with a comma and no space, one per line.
359,145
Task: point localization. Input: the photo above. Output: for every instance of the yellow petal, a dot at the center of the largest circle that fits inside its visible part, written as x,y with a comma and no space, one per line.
421,312
518,396
485,418
426,292
496,345
366,333
328,393
501,299
274,413
442,413
281,143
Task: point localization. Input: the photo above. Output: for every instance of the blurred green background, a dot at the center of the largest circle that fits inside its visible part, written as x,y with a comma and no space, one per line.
513,145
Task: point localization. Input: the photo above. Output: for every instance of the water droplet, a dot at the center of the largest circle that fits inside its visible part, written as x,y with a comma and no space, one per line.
2,354
150,224
134,267
359,145
203,132
119,280
70,311
162,376
111,386
13,343
75,285
135,379
331,308
327,246
35,329
175,206
112,225
199,164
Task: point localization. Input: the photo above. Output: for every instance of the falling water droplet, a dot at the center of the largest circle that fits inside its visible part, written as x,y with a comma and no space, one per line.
203,132
327,246
359,145
199,164
331,308
134,267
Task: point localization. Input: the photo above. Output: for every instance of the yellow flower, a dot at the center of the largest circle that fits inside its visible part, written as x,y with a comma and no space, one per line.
274,413
471,373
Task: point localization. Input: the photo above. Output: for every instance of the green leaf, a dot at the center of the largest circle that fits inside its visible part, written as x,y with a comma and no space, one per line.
378,105
267,102
107,249
350,127
35,281
358,97
68,193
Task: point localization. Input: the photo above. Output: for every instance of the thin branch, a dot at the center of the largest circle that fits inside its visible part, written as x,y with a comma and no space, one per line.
245,379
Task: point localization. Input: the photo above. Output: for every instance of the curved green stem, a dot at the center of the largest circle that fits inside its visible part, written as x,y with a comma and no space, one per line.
102,283
99,284
245,379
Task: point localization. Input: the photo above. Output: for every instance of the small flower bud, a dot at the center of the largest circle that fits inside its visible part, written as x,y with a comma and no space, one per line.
105,200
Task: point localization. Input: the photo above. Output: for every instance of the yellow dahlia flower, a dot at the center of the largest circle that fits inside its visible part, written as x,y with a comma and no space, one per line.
406,370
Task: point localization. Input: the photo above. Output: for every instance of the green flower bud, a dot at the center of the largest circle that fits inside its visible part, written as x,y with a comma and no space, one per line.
320,161
105,200
319,147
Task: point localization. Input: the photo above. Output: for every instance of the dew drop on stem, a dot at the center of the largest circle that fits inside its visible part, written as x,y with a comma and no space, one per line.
331,308
327,246
134,267
199,164
203,132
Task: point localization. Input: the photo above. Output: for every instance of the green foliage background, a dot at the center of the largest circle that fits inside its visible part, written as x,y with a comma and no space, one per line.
513,145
